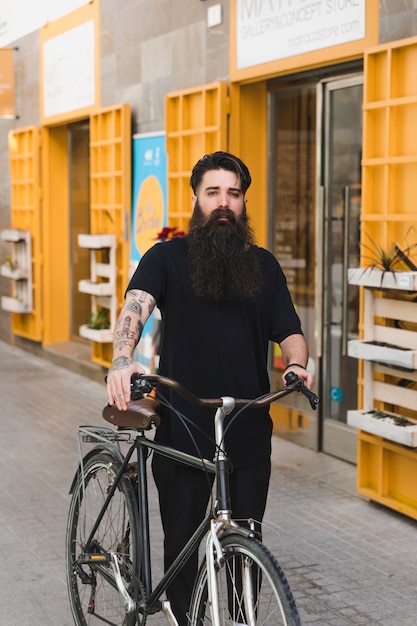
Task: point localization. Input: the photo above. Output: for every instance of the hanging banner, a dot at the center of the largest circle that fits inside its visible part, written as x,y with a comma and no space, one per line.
149,217
149,192
7,88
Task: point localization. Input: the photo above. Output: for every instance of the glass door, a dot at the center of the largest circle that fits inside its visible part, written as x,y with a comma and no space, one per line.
340,201
293,235
315,197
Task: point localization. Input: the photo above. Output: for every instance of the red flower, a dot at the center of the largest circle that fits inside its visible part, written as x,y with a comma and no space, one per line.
169,233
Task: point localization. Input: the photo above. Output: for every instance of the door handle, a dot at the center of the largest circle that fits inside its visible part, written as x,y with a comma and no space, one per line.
320,271
345,263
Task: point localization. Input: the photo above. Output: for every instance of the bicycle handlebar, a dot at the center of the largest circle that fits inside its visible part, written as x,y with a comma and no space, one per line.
144,383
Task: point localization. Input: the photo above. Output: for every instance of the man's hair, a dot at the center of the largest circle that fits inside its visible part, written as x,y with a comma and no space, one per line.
220,161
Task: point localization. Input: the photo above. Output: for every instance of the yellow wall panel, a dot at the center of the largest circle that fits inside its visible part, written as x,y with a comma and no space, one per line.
196,124
248,139
110,195
389,144
25,164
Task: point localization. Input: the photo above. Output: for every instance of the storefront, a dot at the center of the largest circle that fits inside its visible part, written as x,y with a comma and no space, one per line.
323,115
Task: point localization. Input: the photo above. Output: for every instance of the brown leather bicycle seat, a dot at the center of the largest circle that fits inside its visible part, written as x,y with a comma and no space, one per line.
141,414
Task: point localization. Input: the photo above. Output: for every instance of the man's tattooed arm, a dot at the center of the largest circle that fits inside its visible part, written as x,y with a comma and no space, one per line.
129,327
137,308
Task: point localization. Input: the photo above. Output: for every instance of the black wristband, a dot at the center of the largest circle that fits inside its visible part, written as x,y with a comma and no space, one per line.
294,365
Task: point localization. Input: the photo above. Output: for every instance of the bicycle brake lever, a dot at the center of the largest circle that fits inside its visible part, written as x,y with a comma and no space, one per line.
313,399
139,387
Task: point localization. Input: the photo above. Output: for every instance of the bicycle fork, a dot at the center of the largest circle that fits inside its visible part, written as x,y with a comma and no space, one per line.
214,560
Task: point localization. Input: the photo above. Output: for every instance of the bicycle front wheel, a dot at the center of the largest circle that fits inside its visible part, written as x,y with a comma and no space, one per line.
252,588
92,587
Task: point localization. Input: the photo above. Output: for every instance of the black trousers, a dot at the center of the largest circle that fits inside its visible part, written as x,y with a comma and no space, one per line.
184,493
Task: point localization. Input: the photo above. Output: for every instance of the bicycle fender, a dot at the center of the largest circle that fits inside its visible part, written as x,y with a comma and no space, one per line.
108,448
244,532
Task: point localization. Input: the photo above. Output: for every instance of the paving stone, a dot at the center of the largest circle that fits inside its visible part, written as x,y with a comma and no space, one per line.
349,561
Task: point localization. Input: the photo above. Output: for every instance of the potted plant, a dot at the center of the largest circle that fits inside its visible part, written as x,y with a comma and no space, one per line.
99,320
392,269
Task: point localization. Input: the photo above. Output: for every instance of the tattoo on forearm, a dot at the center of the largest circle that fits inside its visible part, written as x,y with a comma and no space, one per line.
121,362
134,307
124,336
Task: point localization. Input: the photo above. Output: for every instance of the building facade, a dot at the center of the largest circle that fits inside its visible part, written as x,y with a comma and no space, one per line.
317,97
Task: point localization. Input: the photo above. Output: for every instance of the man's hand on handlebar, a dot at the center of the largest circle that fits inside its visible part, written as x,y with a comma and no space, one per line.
119,381
302,373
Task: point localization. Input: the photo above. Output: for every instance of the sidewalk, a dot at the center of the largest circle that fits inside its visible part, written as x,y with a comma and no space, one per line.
349,561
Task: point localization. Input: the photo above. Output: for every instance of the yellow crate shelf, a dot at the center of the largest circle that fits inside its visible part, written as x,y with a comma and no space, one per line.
385,473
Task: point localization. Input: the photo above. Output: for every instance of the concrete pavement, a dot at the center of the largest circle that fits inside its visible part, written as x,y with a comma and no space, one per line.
349,561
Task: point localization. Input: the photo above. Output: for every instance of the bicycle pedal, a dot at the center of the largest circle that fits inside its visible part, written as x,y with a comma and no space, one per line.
89,558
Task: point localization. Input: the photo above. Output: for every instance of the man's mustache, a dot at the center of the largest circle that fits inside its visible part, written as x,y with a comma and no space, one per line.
222,214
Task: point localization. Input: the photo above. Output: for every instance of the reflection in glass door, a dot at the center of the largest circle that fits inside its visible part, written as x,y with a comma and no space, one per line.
315,191
293,230
341,198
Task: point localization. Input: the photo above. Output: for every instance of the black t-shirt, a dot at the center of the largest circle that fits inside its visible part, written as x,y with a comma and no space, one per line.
216,349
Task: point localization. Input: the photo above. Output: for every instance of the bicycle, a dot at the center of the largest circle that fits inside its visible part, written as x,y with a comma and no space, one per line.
108,541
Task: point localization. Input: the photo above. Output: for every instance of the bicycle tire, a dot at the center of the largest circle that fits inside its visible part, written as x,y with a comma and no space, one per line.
269,601
97,600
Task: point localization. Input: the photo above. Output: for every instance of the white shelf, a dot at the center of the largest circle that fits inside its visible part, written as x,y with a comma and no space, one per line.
94,334
96,242
13,235
13,305
95,289
101,285
21,276
390,355
17,274
378,279
383,427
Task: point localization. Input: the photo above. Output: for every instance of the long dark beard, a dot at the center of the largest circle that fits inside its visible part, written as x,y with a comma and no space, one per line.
224,265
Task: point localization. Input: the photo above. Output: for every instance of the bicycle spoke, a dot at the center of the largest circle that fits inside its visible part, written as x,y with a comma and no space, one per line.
92,587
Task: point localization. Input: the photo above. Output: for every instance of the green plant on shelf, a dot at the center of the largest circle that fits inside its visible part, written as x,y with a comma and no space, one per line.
392,260
399,420
11,264
98,320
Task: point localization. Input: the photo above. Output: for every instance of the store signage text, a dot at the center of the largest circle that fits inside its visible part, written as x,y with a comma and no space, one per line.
268,30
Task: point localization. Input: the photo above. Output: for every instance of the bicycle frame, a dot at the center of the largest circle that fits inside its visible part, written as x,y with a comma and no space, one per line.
214,523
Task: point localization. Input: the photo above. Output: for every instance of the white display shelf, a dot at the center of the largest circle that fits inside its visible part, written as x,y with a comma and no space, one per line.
95,289
96,242
390,355
21,299
17,274
93,334
384,427
101,285
14,306
13,234
378,279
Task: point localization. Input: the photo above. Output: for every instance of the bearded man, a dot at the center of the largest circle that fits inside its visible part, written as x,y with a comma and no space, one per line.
222,299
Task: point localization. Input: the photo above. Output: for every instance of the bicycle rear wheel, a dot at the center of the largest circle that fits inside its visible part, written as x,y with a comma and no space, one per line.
252,588
93,594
